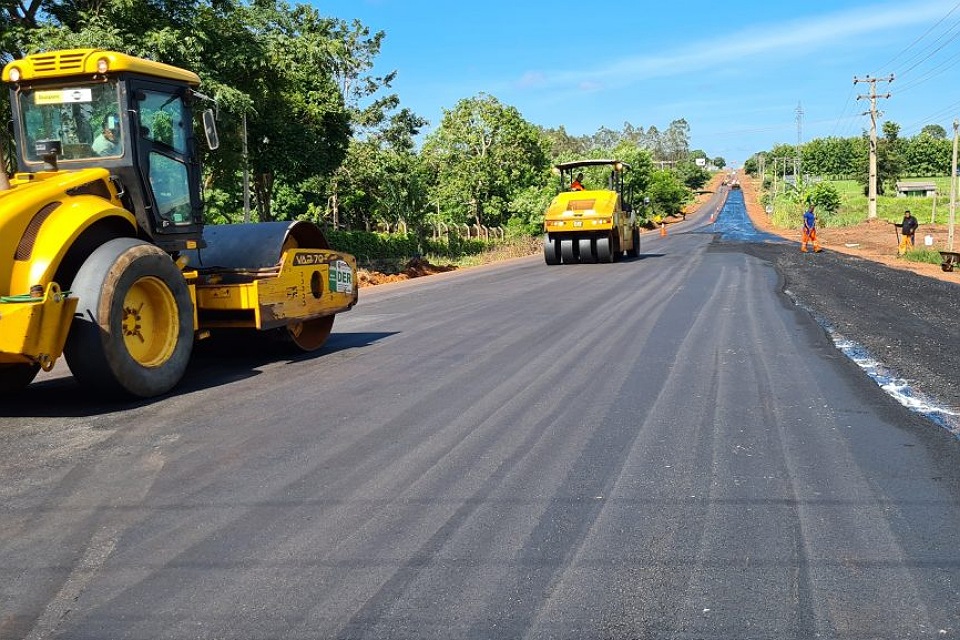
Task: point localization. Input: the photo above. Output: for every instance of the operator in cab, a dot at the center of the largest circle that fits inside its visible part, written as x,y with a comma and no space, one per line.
108,142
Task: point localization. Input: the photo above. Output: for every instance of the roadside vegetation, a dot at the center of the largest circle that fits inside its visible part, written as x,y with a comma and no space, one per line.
833,175
315,134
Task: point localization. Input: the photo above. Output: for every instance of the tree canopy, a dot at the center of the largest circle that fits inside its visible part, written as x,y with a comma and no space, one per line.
321,137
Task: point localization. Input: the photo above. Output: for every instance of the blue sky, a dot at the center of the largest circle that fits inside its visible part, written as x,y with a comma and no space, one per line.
737,72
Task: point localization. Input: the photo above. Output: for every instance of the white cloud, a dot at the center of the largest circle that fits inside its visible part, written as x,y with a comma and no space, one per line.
786,39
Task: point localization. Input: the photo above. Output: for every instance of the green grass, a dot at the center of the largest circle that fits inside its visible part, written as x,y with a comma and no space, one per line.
854,206
923,254
511,248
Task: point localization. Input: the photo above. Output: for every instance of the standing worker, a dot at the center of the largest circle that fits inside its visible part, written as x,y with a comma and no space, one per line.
810,231
907,229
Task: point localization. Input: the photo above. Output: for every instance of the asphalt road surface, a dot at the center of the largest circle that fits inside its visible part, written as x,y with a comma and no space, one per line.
664,447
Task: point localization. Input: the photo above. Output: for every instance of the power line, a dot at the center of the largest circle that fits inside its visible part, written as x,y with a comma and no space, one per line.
948,63
887,64
843,113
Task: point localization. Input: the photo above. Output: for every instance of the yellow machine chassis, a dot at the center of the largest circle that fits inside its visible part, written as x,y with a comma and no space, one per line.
307,284
310,283
33,329
580,211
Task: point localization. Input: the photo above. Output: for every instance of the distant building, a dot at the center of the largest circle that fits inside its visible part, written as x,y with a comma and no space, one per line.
916,190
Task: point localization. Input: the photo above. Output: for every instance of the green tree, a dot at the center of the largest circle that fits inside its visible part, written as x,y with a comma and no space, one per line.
935,131
691,175
482,154
824,196
677,140
563,147
927,155
381,181
295,76
667,193
834,157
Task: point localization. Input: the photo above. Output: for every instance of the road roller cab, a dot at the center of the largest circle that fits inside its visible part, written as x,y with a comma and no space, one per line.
105,257
591,219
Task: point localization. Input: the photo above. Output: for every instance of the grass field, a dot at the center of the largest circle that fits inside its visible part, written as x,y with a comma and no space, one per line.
854,206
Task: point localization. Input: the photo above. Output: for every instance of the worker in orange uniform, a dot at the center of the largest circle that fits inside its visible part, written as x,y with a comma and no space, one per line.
577,184
810,231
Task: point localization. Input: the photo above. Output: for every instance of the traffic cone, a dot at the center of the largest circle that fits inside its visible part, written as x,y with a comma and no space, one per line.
663,229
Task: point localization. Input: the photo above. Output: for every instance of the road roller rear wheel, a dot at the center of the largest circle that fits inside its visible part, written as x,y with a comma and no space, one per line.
551,250
604,249
133,330
588,254
634,251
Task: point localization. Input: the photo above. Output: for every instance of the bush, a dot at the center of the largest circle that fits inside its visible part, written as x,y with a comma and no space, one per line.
389,251
825,197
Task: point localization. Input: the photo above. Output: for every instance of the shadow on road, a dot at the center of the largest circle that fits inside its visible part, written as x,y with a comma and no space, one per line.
215,362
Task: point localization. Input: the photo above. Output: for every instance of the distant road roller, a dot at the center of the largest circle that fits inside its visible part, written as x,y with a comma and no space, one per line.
589,222
105,256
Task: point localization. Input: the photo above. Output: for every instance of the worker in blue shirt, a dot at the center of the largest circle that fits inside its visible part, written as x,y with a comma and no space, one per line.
810,231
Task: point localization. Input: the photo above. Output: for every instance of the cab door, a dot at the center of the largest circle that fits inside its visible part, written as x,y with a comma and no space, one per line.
166,156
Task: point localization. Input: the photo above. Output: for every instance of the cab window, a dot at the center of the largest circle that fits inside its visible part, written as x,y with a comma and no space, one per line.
162,120
84,118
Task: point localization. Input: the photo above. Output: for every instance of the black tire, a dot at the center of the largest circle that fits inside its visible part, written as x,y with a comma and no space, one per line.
16,377
551,250
605,249
568,251
133,331
588,253
634,251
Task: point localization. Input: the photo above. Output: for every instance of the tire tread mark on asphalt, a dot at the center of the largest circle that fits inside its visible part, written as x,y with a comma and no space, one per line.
106,529
378,605
564,526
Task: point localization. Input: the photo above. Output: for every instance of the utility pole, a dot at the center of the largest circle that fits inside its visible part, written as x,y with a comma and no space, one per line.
776,160
797,161
953,188
874,115
246,173
774,178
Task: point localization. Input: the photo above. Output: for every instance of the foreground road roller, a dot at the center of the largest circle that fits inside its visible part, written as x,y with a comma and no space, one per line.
104,255
591,219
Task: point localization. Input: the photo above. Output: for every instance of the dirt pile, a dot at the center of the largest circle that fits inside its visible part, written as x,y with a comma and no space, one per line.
414,268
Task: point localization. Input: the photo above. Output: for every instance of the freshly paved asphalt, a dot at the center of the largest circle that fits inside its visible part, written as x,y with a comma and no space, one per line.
665,447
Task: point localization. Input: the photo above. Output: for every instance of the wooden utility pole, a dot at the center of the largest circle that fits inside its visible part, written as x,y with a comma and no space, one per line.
953,188
797,162
874,115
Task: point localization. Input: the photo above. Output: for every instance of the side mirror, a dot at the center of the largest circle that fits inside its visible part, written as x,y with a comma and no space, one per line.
210,129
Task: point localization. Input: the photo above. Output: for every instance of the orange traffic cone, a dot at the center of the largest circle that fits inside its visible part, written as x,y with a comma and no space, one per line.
663,229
